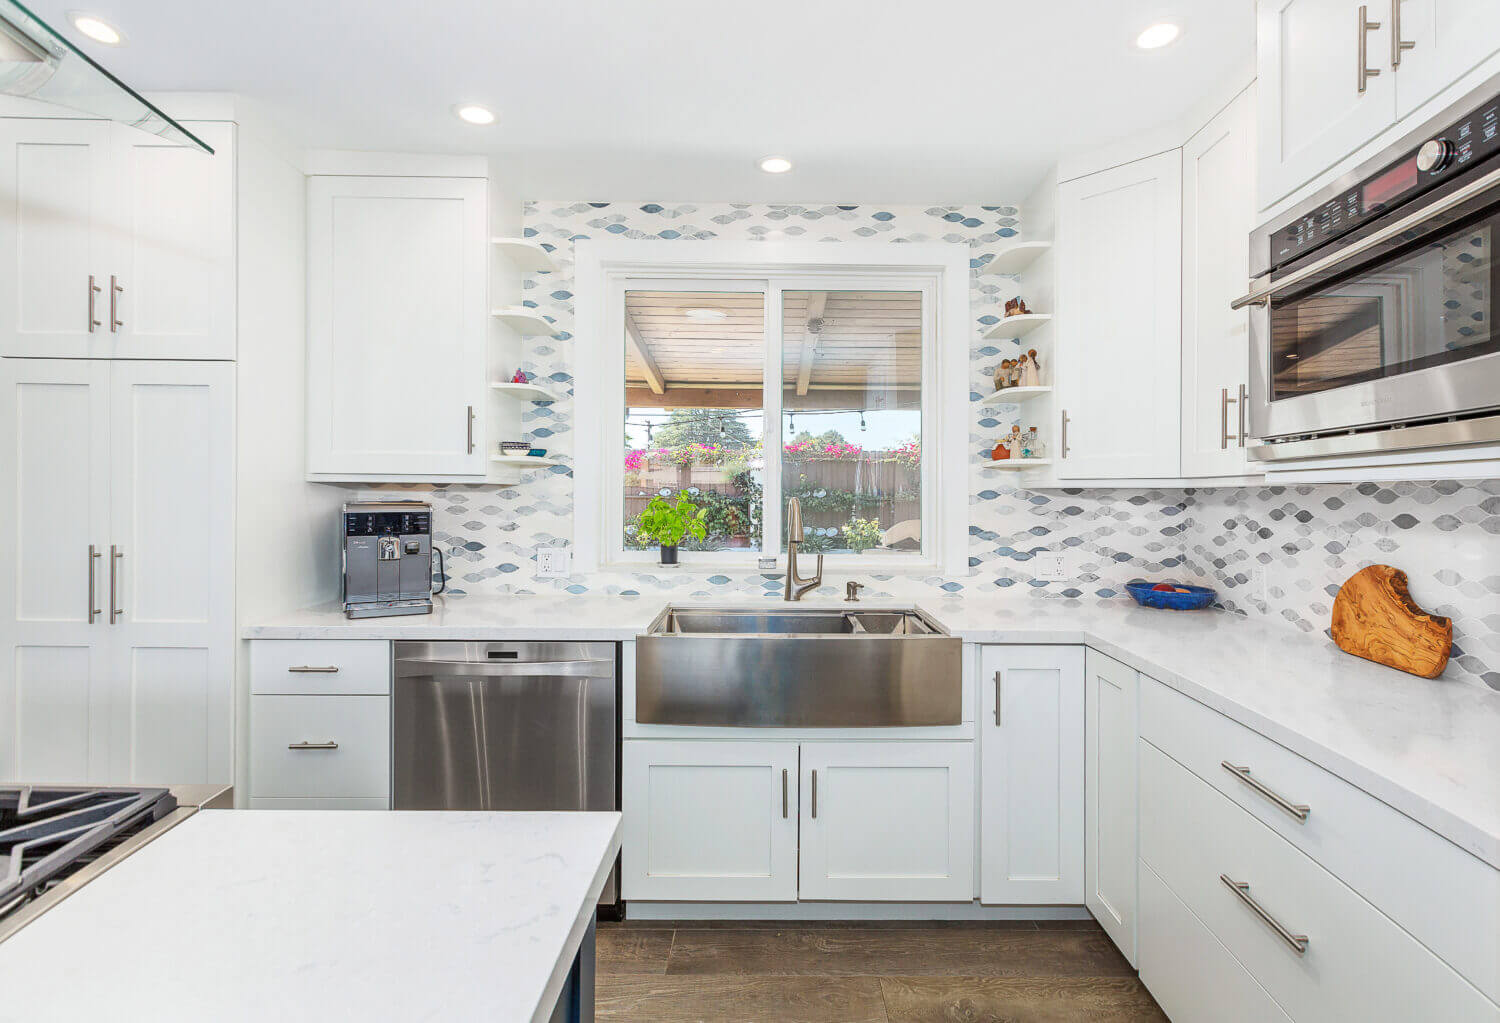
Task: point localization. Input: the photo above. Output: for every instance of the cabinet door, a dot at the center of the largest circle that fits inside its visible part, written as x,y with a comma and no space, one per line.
1120,320
1218,188
55,198
1312,112
1031,778
1111,719
54,649
396,327
709,821
172,573
1449,38
888,821
173,271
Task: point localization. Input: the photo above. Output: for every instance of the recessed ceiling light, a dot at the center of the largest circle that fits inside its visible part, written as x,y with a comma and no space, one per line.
97,29
473,113
776,165
1157,36
705,315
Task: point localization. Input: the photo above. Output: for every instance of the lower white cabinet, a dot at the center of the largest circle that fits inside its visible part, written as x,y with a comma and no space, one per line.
1111,804
888,821
709,821
1031,775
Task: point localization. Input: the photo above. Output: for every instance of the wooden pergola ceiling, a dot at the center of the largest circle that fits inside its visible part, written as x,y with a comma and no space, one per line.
858,350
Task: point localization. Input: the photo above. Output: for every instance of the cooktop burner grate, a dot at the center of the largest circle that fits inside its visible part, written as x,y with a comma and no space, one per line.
46,832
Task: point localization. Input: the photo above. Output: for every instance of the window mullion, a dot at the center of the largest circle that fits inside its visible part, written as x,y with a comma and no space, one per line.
771,507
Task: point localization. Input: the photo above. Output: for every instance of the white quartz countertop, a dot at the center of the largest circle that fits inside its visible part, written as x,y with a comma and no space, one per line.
1429,748
321,915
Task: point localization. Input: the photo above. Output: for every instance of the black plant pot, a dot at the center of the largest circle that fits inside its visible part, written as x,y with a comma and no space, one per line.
669,554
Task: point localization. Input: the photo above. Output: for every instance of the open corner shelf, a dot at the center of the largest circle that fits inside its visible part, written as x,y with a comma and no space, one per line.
1017,326
530,392
1014,395
1014,259
525,255
1016,464
526,321
524,461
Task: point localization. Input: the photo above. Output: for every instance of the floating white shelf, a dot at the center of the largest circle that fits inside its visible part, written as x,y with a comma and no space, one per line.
525,255
1016,464
1014,395
527,322
524,461
531,392
1018,326
1013,259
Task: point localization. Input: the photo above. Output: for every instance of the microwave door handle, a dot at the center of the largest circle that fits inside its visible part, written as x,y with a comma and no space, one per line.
1262,295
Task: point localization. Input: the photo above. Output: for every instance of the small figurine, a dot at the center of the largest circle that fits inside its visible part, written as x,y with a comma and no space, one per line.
1014,442
519,378
1002,375
1031,375
1017,307
1033,444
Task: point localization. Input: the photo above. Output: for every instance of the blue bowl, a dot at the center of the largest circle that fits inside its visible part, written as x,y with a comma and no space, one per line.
1195,599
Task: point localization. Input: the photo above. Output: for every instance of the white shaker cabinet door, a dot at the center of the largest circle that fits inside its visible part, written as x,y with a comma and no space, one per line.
1111,851
170,571
1313,112
1031,783
56,196
1448,37
709,821
54,631
170,293
887,821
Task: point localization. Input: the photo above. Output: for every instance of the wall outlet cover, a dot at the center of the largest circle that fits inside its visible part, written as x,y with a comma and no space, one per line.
1047,566
553,563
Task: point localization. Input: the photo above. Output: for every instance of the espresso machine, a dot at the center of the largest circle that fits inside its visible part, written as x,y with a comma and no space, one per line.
388,559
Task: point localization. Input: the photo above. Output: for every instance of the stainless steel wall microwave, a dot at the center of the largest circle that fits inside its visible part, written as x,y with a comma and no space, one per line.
1373,305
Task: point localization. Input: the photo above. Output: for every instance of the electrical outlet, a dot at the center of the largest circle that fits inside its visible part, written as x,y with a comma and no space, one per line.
1047,566
553,562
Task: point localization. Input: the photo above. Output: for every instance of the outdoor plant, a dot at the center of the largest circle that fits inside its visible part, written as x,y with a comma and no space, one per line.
666,523
862,534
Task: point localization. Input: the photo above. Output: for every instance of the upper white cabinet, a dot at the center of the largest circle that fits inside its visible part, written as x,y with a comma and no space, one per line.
1448,38
1218,188
397,323
1120,321
1111,730
115,243
116,578
1031,775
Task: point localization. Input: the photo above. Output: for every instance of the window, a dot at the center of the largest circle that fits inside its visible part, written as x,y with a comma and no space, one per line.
741,390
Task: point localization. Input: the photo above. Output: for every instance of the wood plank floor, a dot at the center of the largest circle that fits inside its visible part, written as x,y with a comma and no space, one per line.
1011,972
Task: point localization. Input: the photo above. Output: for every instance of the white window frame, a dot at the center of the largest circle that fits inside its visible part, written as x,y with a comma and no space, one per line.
606,268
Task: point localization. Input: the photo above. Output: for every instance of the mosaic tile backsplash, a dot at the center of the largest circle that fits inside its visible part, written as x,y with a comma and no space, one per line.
1279,552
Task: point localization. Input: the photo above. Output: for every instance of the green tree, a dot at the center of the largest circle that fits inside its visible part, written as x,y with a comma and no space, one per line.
825,438
721,426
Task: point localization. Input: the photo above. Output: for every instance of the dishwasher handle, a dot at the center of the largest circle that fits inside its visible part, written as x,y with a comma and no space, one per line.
571,669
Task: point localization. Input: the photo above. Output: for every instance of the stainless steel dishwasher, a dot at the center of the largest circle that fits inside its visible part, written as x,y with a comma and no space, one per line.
507,726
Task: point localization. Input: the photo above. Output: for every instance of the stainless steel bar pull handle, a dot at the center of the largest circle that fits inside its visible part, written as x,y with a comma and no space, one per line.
321,669
1225,437
997,698
115,291
1064,446
94,612
115,557
1297,810
1244,411
469,421
783,794
1366,26
330,744
815,793
94,289
1296,942
1398,45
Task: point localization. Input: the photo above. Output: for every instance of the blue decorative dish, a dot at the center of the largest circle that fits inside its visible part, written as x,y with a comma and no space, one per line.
1196,597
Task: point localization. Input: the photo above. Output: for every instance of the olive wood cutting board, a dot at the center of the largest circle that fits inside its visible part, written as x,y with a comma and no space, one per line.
1375,618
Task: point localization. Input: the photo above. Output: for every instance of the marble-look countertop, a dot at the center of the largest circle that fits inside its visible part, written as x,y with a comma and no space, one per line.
1429,748
326,915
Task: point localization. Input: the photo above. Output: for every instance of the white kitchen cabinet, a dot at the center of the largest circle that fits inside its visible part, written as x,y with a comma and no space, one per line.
119,474
1111,719
1218,188
1448,37
397,323
1031,807
887,821
709,821
320,748
1312,112
115,243
1119,359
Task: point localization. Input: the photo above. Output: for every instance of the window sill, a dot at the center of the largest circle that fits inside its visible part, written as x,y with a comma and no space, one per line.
843,564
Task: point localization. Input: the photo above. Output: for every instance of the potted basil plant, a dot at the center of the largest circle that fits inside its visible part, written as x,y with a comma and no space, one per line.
665,523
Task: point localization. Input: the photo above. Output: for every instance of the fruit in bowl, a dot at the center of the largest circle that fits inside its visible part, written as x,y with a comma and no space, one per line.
1169,588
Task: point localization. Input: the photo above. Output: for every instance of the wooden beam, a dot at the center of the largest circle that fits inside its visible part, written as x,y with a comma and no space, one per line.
848,397
817,302
637,347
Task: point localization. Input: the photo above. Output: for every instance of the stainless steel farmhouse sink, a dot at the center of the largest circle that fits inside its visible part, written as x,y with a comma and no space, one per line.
797,668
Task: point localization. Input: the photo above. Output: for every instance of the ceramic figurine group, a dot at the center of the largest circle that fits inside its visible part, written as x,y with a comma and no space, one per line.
1022,372
1017,307
1018,445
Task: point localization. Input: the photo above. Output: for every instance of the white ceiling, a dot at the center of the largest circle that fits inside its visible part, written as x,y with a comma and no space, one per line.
892,101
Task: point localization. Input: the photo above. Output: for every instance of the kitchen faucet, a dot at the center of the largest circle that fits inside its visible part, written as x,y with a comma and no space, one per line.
795,584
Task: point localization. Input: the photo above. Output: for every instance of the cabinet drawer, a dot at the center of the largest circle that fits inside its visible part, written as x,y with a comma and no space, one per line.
1447,898
1194,839
317,667
287,736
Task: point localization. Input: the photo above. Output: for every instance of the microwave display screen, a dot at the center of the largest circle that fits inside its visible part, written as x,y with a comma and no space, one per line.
1389,185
